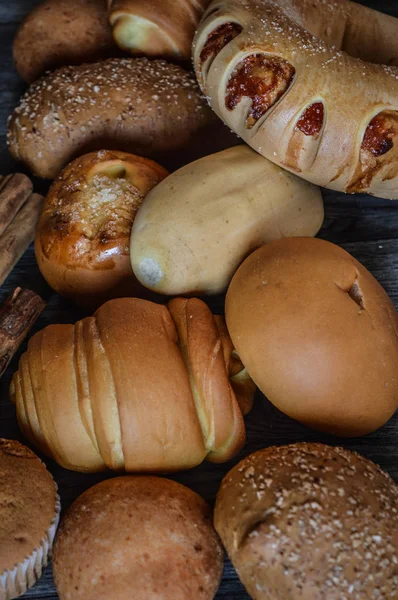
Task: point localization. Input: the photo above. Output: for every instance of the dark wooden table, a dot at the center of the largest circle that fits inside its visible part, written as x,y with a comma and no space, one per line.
366,227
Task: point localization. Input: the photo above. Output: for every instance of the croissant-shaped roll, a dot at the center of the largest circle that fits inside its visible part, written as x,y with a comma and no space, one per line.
136,387
162,28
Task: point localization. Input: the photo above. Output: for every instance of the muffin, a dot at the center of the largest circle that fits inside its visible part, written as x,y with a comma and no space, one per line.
137,537
29,515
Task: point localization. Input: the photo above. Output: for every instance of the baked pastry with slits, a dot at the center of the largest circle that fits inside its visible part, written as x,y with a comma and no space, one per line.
287,76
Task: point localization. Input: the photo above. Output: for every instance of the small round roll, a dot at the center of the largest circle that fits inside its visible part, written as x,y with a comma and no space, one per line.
82,239
308,521
151,108
62,32
317,334
138,537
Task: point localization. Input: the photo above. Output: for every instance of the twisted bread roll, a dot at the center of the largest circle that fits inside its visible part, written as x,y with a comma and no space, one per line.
156,27
135,387
279,74
128,104
62,32
82,239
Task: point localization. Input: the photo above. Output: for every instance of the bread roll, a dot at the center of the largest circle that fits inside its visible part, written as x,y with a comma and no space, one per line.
136,387
144,107
138,537
162,28
197,226
318,335
62,32
82,240
310,521
281,76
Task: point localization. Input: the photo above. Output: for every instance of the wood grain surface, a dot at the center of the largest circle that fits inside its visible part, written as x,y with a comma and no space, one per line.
366,227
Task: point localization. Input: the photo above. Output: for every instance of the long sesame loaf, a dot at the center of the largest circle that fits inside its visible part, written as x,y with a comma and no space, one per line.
311,522
137,105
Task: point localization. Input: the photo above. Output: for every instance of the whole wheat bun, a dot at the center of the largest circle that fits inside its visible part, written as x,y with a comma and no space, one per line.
62,32
318,335
83,236
150,108
138,537
138,387
308,521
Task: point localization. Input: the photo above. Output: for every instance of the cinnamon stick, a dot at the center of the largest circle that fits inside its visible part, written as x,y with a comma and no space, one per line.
14,192
19,234
17,315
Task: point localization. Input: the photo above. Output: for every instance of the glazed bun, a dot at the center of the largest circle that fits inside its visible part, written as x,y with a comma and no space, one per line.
62,32
151,108
308,521
317,334
138,537
82,240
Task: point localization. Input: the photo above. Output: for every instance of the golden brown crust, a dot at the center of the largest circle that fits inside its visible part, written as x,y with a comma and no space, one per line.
137,105
302,313
158,28
114,391
310,521
27,503
141,537
62,32
216,405
82,240
263,65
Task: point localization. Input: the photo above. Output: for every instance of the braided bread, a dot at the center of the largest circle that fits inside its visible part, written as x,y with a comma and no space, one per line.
280,75
136,387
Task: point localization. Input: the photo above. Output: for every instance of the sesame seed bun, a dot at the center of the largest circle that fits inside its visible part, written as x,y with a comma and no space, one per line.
310,521
150,108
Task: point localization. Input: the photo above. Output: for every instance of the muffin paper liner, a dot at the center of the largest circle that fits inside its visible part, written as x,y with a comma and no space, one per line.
14,582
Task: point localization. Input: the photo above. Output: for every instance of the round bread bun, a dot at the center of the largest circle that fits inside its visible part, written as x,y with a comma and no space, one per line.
308,521
284,75
151,108
29,515
83,236
62,32
141,538
317,334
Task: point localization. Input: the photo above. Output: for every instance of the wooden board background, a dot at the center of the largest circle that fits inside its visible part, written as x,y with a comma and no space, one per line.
366,227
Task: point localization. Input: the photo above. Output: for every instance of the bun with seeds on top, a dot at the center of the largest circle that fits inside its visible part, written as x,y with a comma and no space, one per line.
151,108
310,522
